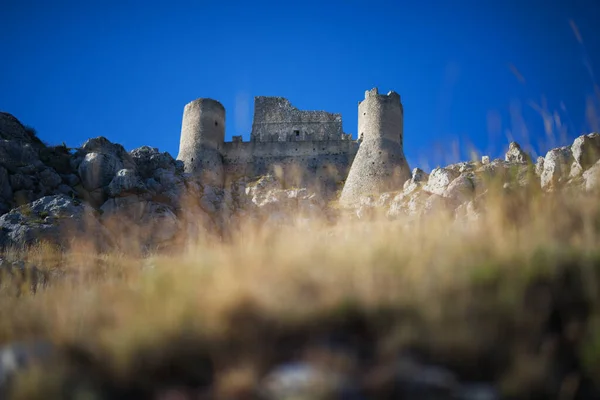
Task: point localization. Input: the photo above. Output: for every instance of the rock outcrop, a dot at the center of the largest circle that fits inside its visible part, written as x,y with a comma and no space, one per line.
144,197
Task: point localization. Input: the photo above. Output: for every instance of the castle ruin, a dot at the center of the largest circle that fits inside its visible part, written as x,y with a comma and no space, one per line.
300,147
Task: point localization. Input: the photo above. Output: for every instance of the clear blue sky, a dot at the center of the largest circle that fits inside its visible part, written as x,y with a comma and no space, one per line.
470,73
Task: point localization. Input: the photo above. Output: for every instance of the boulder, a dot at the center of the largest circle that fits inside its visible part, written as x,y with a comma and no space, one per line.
557,165
439,179
591,178
20,181
460,190
97,170
126,181
539,166
418,178
49,178
56,219
586,150
148,160
15,154
515,154
104,146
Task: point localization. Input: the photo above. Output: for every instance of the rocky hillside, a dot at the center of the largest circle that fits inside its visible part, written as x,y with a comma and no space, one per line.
54,194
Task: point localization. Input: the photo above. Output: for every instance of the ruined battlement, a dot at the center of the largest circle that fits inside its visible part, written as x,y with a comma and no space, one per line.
277,120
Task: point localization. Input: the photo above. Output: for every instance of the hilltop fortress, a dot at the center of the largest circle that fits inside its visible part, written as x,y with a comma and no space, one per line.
301,147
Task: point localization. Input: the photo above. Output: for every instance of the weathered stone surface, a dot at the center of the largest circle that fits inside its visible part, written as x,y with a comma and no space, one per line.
149,160
12,129
418,178
126,181
15,154
460,190
56,219
49,178
485,160
591,178
586,150
21,182
97,170
539,166
439,179
102,145
5,188
259,191
556,167
515,154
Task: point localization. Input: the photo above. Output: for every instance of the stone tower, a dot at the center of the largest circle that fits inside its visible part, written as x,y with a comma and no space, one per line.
379,165
202,138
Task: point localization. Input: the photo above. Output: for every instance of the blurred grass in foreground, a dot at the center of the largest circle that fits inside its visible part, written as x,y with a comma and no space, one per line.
479,297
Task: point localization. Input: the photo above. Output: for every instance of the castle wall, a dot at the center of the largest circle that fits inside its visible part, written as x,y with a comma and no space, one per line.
325,163
276,120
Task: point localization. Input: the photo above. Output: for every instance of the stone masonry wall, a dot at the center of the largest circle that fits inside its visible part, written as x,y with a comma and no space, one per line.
276,120
325,162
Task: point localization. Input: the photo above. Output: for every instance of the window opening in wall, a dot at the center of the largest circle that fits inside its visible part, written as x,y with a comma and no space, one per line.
216,123
297,133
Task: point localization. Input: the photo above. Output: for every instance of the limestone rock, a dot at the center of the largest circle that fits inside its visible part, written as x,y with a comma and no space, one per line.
49,178
12,129
576,170
539,166
515,154
21,182
418,178
591,178
102,145
556,167
56,219
439,179
15,154
460,190
6,192
126,181
97,170
586,150
259,191
148,160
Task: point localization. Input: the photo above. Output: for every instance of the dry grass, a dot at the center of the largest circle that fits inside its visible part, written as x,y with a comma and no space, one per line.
459,292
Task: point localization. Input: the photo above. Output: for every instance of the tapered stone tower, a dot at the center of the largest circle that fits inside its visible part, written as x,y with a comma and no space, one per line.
379,165
202,138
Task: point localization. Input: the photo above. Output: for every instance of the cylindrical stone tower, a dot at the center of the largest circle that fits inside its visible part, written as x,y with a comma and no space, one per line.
202,138
379,165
